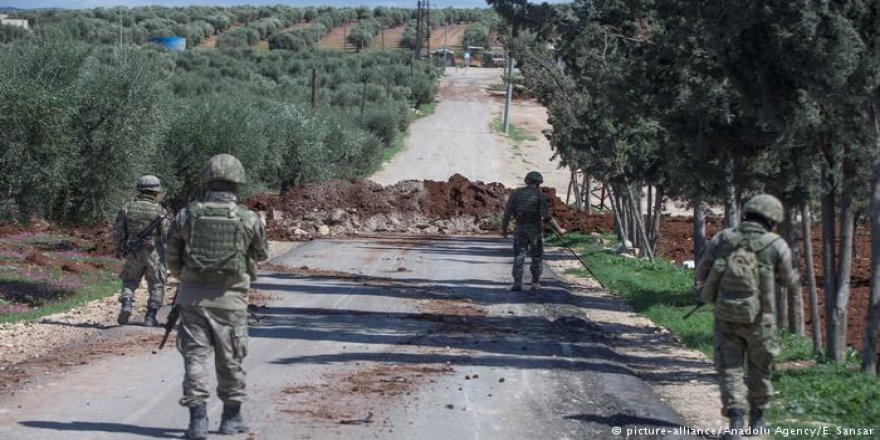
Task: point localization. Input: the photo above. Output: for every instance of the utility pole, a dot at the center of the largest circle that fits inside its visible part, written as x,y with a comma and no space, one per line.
383,38
418,51
428,26
509,96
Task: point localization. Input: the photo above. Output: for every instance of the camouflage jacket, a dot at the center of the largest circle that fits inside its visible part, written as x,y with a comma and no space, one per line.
528,207
208,289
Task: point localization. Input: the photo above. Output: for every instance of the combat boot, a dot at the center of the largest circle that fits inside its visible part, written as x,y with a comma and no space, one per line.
232,421
736,425
198,422
124,312
150,317
517,286
756,422
536,286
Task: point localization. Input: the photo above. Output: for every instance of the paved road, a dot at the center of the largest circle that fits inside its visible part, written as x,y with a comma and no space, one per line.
423,342
456,138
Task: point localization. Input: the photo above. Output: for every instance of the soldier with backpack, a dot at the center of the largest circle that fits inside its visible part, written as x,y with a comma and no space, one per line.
213,247
739,272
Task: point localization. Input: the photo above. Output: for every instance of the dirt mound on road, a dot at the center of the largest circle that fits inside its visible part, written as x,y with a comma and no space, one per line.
352,207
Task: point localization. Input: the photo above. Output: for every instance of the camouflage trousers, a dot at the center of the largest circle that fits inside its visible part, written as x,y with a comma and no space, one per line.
744,361
143,264
225,333
528,240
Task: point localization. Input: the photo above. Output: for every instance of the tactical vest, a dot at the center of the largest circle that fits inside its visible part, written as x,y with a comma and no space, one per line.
741,282
217,239
139,214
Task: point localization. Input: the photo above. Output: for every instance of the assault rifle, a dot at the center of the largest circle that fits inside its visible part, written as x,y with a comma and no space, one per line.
698,307
127,247
173,316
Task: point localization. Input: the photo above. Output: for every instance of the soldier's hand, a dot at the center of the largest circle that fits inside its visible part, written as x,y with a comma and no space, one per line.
562,231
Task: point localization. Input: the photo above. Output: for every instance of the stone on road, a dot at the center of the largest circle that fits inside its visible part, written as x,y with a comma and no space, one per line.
388,338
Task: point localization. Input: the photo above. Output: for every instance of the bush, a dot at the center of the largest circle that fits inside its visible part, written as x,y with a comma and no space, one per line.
383,123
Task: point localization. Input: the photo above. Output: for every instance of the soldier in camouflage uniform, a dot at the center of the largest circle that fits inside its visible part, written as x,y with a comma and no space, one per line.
213,247
144,261
745,343
530,209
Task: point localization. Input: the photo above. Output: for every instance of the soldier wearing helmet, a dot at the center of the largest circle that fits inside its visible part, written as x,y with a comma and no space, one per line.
738,273
530,209
213,247
143,258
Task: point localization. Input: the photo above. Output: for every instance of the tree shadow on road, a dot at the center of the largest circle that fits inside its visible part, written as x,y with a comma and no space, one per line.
114,428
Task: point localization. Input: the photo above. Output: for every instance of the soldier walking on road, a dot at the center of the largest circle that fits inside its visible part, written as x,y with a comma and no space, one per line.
530,209
213,247
738,274
142,257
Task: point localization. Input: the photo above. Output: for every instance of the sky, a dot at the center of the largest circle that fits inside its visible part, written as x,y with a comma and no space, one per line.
79,4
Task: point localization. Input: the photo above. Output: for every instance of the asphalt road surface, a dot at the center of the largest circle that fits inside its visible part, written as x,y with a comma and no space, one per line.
384,338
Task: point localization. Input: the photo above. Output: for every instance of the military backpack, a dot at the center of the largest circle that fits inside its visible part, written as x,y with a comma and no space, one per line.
735,282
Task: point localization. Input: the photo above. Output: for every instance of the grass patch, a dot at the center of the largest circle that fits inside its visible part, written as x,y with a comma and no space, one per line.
426,109
823,394
516,134
101,285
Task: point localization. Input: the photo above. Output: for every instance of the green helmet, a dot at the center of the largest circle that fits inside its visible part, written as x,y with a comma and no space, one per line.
223,167
149,183
534,177
766,206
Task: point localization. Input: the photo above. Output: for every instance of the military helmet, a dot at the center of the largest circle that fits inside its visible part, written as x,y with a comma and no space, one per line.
223,167
766,206
534,177
149,183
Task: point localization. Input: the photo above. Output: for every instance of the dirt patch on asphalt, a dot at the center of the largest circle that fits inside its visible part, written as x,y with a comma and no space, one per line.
358,397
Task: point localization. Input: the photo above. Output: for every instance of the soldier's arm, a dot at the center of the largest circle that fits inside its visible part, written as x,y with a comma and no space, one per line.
259,247
707,260
786,275
508,211
119,227
175,245
547,216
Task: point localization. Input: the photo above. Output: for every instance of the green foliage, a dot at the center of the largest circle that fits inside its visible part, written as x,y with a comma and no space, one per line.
829,394
476,34
9,33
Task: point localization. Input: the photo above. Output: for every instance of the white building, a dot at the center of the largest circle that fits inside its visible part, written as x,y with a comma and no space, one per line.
13,22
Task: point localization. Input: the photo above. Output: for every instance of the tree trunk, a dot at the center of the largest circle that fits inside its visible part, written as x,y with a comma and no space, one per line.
619,220
816,324
796,297
870,364
782,293
649,205
731,210
847,229
829,258
588,193
655,224
577,190
699,229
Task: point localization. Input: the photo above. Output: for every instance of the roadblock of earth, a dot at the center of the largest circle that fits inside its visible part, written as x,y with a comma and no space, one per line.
353,207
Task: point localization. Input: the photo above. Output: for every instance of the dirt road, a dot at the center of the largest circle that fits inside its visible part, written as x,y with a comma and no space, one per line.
457,138
392,338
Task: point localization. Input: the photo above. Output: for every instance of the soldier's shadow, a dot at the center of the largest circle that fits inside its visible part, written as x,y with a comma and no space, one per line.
118,428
